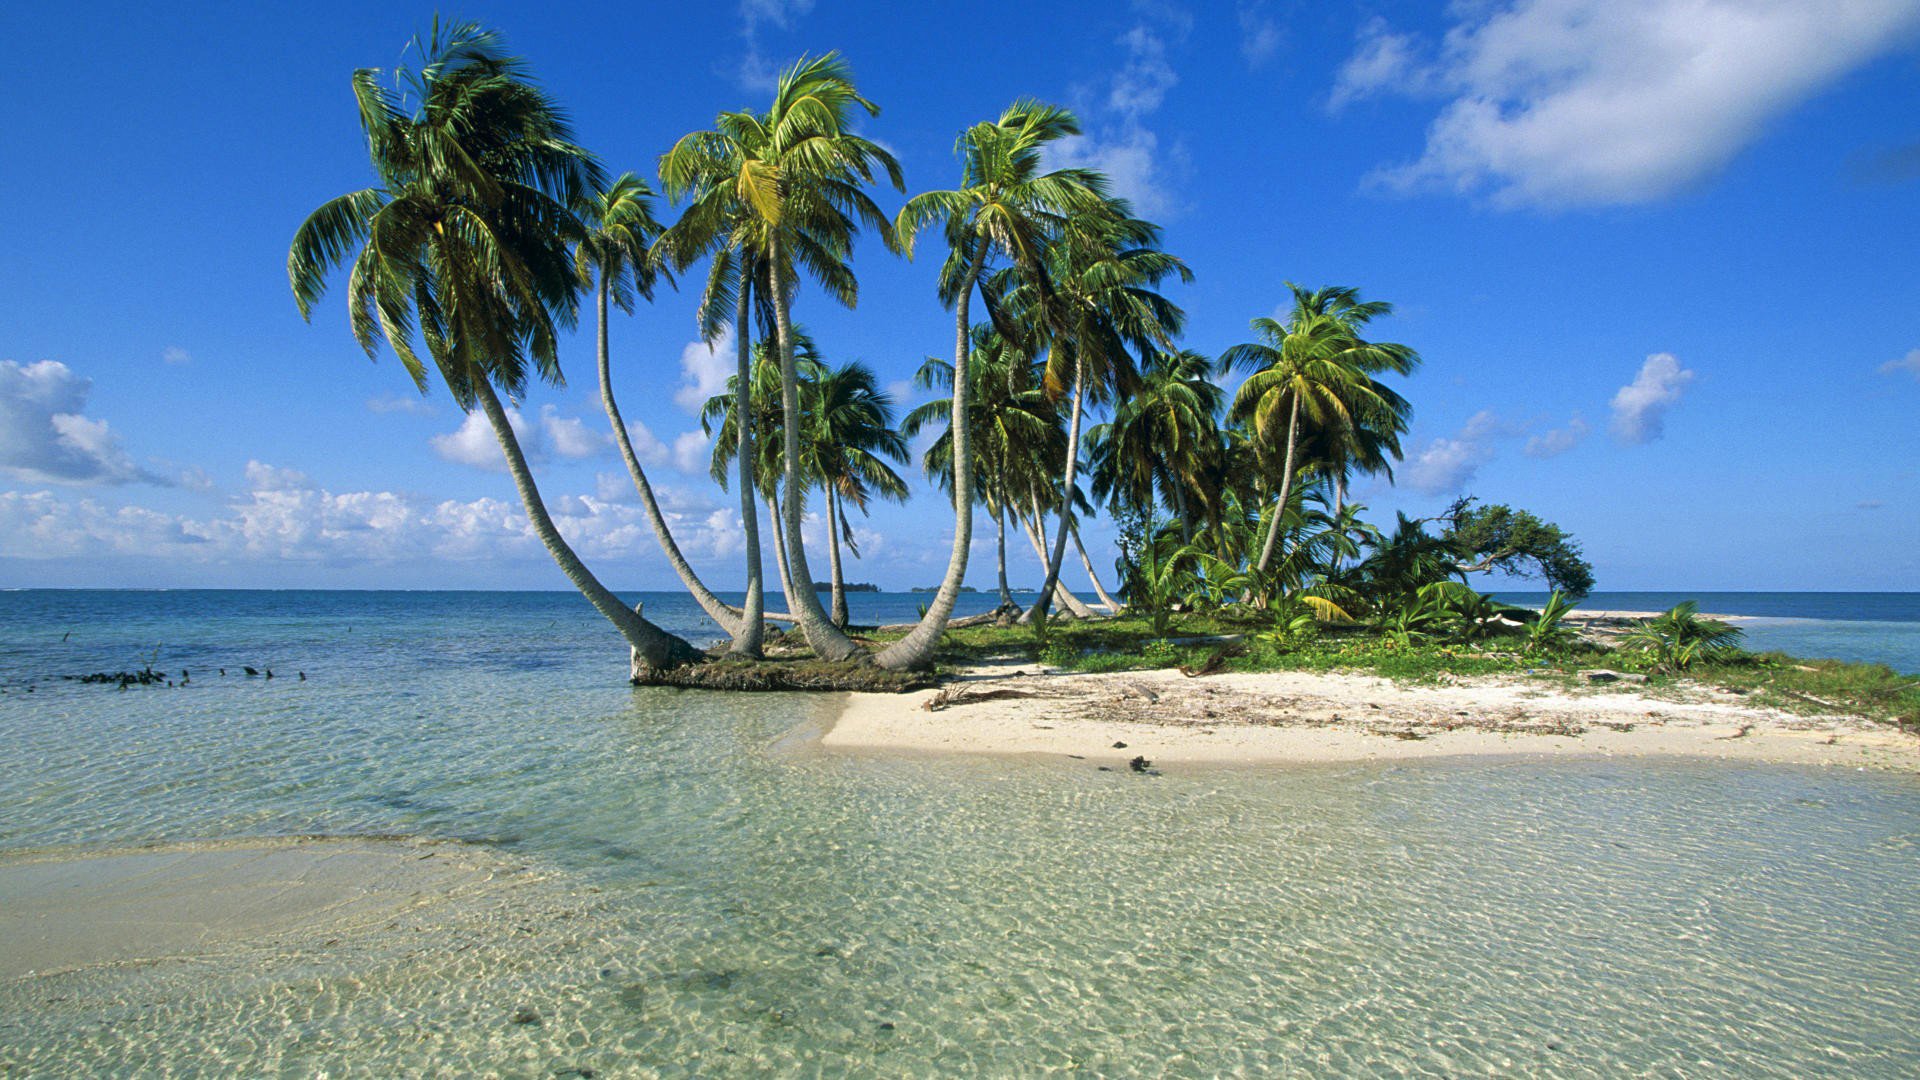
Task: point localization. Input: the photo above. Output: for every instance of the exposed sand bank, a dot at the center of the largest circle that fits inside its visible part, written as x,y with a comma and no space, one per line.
63,910
1294,717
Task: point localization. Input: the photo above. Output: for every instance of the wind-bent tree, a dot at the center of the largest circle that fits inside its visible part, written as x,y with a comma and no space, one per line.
799,173
850,438
1005,205
615,259
1318,366
464,243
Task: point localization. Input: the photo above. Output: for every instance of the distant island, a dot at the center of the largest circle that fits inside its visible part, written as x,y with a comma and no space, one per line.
851,586
936,588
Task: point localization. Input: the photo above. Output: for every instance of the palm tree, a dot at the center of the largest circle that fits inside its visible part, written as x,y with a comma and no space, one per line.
1316,365
465,242
1008,416
1005,205
1164,440
798,174
850,439
1099,302
616,260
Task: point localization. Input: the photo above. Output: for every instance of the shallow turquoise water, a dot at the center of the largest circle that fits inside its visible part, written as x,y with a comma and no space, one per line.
727,900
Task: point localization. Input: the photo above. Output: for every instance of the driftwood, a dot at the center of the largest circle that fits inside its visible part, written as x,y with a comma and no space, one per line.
960,694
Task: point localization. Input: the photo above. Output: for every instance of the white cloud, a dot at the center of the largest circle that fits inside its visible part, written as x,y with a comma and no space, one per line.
1124,148
400,403
569,437
264,477
692,452
646,445
1383,62
1600,102
473,443
1869,504
45,439
174,354
704,371
1909,363
756,72
1557,441
1448,465
1260,36
1640,407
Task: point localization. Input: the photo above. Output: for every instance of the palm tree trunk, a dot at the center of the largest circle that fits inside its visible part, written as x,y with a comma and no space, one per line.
1000,526
1070,605
916,649
779,547
1286,491
653,648
833,557
1112,605
718,610
753,611
1040,606
826,639
1180,505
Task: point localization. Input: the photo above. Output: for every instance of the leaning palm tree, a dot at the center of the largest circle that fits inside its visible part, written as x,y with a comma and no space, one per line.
1317,366
800,174
616,260
850,439
464,243
1007,206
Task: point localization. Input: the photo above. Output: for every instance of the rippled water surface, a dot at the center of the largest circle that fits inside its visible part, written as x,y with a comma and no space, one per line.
723,899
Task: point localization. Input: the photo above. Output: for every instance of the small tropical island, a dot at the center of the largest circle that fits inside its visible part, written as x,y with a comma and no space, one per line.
1272,773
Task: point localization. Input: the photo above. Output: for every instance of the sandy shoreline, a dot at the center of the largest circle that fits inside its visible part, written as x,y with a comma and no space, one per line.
64,910
1302,718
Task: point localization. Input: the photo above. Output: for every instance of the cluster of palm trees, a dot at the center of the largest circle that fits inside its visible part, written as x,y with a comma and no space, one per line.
488,226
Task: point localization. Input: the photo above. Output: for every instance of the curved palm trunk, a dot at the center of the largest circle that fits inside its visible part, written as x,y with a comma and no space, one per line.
753,612
718,610
780,546
1286,491
653,648
1180,506
1070,605
1112,605
826,639
916,649
1000,526
833,558
1045,601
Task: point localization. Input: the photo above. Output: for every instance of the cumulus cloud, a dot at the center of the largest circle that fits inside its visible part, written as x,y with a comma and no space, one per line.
45,438
1557,441
1448,465
1640,407
1909,363
174,354
704,371
692,452
473,443
1601,102
285,517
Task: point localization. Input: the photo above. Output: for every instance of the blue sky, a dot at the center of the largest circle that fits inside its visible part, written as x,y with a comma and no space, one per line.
1659,256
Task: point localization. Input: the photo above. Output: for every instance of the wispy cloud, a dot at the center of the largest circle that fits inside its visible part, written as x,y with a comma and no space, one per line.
1601,102
755,71
1909,364
412,404
1557,441
174,354
1447,465
1260,33
1640,407
1118,140
46,436
704,371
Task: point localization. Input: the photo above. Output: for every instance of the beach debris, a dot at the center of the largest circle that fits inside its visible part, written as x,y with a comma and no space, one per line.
269,673
1140,764
1211,664
526,1014
1119,746
1603,675
249,671
146,676
964,695
65,636
1745,730
580,1071
303,676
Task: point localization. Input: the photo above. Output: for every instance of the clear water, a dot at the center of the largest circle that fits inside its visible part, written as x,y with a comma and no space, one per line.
725,899
1875,628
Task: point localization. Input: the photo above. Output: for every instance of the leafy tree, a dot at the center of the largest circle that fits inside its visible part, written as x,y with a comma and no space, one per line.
1679,636
1498,538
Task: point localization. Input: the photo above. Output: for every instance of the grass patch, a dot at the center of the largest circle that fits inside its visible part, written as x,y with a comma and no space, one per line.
1874,691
